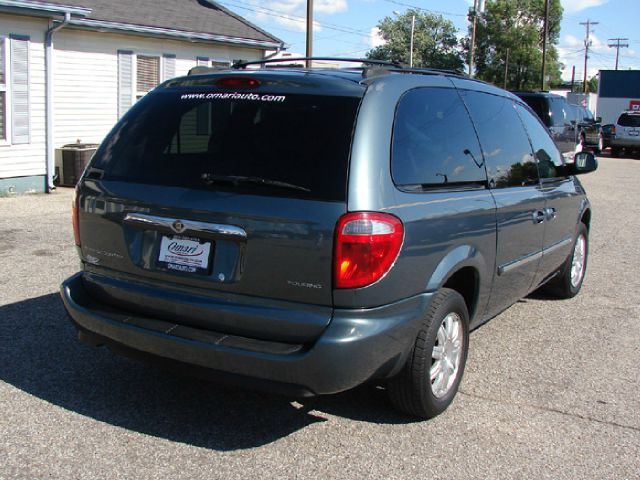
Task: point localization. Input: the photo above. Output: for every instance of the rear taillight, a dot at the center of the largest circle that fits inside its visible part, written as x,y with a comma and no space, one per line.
238,82
366,246
75,218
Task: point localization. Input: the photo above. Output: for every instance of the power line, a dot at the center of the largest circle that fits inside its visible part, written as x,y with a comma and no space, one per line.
295,18
402,4
618,46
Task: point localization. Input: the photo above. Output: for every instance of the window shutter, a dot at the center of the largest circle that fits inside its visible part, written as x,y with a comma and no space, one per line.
2,72
3,91
20,121
125,81
147,73
3,131
168,67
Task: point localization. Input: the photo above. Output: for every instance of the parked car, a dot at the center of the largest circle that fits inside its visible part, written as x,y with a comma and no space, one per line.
625,133
310,230
607,132
588,128
558,116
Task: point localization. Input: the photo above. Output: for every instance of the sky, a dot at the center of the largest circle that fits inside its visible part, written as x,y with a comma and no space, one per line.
347,28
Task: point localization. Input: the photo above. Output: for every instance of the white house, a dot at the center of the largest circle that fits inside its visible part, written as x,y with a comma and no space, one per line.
69,70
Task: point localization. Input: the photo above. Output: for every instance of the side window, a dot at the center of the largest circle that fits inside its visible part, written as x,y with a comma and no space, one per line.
434,142
544,148
504,141
560,112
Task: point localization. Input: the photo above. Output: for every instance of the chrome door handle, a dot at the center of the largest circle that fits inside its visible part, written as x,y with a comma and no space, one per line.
538,216
550,213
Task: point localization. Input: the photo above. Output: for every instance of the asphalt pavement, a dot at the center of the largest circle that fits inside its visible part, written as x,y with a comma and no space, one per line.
551,390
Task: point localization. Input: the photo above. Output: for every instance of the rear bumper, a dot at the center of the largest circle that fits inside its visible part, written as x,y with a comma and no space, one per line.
357,345
625,142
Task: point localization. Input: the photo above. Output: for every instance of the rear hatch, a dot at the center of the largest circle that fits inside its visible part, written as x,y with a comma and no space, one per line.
629,126
235,192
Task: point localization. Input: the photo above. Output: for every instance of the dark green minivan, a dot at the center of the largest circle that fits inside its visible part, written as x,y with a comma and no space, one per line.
310,230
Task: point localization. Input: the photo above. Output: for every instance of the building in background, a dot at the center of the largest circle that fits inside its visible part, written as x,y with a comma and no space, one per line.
69,70
618,90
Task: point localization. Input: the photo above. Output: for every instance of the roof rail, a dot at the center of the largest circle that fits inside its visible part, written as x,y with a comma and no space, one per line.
239,64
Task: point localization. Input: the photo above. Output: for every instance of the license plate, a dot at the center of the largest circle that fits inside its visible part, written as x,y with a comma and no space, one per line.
184,254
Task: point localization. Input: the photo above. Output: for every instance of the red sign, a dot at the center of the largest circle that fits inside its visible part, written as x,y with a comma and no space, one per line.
634,105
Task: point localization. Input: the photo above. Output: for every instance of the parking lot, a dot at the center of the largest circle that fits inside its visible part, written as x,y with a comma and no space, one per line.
551,390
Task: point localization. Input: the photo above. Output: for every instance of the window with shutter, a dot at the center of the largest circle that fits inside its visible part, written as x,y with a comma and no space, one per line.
3,90
168,66
147,74
20,98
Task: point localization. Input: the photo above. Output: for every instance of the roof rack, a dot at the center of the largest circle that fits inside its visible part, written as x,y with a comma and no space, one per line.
369,67
240,64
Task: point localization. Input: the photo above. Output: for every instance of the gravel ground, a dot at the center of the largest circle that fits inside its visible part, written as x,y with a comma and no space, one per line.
551,388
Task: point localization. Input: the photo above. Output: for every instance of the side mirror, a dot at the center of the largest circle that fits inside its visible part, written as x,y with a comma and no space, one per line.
583,162
598,119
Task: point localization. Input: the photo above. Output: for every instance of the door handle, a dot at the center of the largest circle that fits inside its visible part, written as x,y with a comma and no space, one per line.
538,216
550,213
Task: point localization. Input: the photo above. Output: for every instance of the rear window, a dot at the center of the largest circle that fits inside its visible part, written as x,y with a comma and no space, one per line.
627,120
540,106
264,144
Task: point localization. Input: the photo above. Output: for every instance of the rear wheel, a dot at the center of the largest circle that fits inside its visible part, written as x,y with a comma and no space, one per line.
429,380
569,283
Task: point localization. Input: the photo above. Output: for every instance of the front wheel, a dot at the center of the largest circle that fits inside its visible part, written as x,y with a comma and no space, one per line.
569,282
429,380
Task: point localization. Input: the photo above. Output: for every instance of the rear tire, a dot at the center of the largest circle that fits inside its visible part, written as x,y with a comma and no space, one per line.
569,282
428,382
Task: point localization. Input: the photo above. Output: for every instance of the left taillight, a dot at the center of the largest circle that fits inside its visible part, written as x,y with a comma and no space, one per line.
75,216
366,246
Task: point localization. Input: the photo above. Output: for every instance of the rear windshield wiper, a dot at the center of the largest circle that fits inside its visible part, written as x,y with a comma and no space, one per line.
211,179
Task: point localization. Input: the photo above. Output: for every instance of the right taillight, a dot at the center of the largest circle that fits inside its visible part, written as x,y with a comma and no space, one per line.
75,219
366,246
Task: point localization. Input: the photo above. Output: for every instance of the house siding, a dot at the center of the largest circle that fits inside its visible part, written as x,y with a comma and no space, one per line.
86,77
27,159
85,88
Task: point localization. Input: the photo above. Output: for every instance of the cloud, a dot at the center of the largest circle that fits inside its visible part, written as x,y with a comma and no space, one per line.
375,38
329,6
570,41
572,6
292,13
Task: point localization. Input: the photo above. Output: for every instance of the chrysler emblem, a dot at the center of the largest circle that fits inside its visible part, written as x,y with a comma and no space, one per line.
178,226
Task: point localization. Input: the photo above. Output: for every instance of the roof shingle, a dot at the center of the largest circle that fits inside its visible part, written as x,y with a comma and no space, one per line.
201,16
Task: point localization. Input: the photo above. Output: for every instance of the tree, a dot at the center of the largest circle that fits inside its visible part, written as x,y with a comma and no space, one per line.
515,29
434,41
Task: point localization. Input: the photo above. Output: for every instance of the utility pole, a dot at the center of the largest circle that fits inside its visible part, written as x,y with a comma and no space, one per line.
413,27
309,50
506,70
573,77
618,46
587,44
478,6
544,43
473,37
